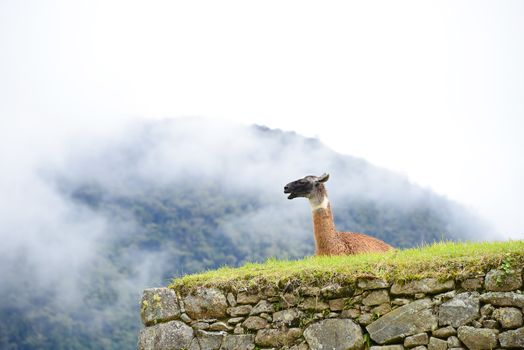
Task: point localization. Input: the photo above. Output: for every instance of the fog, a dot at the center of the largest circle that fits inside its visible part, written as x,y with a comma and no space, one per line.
430,92
49,234
429,89
53,242
55,237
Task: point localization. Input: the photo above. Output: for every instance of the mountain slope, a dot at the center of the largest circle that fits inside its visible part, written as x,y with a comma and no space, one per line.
184,196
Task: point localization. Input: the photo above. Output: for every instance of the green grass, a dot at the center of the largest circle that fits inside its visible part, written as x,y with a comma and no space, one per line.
443,260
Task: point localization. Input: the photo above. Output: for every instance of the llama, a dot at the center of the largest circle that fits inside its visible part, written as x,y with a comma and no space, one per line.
328,241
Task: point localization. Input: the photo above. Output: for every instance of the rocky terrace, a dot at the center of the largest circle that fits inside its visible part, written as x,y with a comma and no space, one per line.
484,311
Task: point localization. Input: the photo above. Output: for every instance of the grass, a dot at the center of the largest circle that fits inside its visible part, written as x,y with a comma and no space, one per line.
442,260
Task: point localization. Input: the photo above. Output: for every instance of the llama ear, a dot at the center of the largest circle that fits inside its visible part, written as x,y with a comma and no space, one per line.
323,178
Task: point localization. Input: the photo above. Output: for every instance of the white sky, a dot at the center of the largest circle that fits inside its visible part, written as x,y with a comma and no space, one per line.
434,90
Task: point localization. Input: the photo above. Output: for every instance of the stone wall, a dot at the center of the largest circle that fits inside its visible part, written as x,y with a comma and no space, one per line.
480,312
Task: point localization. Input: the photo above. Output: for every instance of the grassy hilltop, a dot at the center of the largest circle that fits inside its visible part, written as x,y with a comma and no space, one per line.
440,260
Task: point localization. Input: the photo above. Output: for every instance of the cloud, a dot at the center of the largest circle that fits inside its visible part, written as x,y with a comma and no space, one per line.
251,160
39,228
54,244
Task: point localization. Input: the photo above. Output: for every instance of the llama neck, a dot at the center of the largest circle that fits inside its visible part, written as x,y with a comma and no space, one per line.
323,225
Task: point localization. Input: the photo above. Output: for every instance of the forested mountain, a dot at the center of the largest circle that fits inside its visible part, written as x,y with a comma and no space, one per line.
175,197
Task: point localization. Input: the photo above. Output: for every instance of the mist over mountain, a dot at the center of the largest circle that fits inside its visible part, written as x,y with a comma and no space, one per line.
84,233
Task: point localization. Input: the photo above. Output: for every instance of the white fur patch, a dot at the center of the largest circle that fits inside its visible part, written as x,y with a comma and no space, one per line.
315,205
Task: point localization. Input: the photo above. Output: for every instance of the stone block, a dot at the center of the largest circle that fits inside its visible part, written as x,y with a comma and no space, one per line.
503,299
170,335
194,345
206,303
268,317
472,284
210,340
313,304
289,300
231,299
426,285
238,342
159,305
372,283
406,320
454,342
512,339
501,281
416,340
376,297
493,324
350,313
200,325
387,347
366,319
235,320
241,310
508,317
277,337
336,334
443,297
487,310
337,304
239,329
478,338
381,309
444,332
437,344
335,290
289,317
247,298
220,326
255,323
460,310
262,306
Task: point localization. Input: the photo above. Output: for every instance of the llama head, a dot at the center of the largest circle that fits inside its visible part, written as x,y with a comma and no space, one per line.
311,187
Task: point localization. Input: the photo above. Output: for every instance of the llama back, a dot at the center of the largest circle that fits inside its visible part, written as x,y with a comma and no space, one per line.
361,243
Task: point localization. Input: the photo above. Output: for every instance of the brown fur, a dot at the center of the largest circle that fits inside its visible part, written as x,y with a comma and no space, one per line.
328,241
